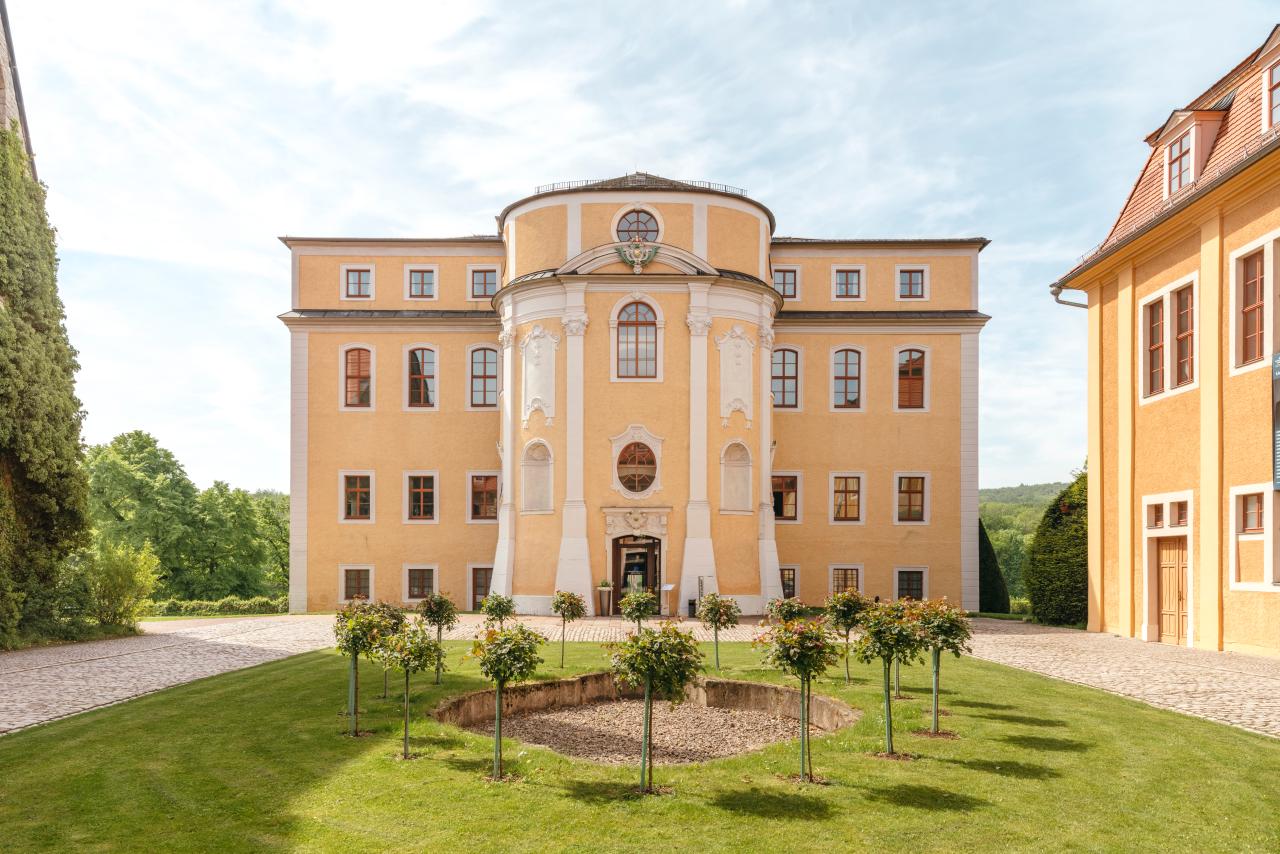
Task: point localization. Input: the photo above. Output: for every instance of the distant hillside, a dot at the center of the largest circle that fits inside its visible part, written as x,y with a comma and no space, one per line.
1024,493
1011,515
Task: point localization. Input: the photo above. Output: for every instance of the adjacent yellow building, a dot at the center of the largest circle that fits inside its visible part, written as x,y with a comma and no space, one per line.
1184,453
634,382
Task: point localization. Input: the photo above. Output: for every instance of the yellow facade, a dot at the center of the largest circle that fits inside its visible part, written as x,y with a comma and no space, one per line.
674,351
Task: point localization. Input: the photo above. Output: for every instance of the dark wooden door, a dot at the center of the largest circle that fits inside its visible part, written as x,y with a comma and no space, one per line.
1172,556
481,577
635,563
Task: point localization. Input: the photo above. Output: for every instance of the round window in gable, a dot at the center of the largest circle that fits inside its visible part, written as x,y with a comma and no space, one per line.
637,467
638,225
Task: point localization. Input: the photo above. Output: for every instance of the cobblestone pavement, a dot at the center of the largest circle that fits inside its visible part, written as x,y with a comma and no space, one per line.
1231,688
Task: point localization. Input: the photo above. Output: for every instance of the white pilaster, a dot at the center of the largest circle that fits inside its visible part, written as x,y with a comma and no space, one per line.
699,554
770,576
298,371
969,470
573,567
504,554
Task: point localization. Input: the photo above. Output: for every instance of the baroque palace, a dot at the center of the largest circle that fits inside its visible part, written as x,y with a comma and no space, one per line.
635,382
1184,378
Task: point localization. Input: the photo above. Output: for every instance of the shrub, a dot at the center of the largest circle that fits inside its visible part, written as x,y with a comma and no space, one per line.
393,620
804,649
1057,569
638,605
718,612
228,605
570,607
890,632
438,610
118,580
946,629
411,649
1019,605
844,610
508,655
497,609
357,629
784,610
993,595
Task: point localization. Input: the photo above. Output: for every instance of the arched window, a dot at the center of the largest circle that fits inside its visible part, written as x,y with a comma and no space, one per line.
637,341
484,377
637,467
422,377
735,478
359,377
786,378
535,469
911,379
638,225
846,379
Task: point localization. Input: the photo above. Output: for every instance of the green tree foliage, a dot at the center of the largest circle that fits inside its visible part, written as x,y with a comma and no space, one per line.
844,610
993,594
804,649
945,629
273,530
891,633
393,619
508,655
356,630
638,605
1057,570
438,610
718,612
784,610
665,662
570,607
497,609
410,649
42,486
1010,515
118,579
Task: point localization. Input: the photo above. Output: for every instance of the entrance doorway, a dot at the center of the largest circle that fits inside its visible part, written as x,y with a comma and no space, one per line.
636,566
481,578
1171,555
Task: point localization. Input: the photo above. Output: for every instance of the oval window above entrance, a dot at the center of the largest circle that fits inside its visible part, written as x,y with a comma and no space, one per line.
637,467
638,225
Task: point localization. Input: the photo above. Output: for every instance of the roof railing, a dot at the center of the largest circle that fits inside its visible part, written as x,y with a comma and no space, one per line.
573,185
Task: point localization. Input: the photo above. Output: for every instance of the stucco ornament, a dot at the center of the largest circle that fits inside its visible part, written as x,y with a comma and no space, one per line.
507,337
735,374
699,324
575,324
637,521
766,338
538,348
637,253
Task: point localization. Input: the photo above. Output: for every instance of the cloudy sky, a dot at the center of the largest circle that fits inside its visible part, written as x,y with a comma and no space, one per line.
179,139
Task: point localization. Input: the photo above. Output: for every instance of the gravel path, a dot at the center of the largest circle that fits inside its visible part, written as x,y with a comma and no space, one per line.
611,732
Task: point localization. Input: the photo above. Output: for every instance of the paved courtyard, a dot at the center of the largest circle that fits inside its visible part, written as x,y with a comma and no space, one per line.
52,682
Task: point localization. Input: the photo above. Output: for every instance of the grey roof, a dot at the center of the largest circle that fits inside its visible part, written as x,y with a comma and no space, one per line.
982,242
392,314
878,314
550,273
289,240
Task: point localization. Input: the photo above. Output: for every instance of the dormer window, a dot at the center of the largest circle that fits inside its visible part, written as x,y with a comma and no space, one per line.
1273,94
1180,163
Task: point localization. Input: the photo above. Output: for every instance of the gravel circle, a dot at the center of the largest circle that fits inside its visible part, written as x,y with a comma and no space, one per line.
610,732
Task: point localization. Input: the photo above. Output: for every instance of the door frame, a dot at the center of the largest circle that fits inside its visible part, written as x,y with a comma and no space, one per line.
471,582
1148,604
654,546
1179,542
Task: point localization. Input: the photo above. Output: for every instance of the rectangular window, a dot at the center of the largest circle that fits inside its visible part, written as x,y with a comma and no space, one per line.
844,579
355,491
484,496
484,377
846,501
1251,513
911,366
1252,302
788,574
784,282
1178,512
1155,516
484,283
422,284
911,284
359,377
911,584
421,582
1184,345
1180,163
355,584
359,284
1155,347
422,377
911,499
422,497
1273,88
786,379
786,497
848,284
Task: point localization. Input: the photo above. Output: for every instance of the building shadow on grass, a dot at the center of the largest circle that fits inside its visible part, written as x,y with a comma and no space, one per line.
470,764
1024,720
1046,742
1007,768
773,805
977,704
925,798
598,792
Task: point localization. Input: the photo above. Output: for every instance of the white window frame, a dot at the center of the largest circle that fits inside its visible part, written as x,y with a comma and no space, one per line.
862,498
928,377
862,280
471,268
1270,582
636,206
862,379
342,581
404,497
795,569
343,474
373,282
1165,294
737,511
897,282
1190,133
613,337
799,351
524,467
1235,272
1150,630
373,377
1266,95
928,497
799,476
469,407
434,269
799,271
635,433
404,578
924,592
831,575
473,521
404,377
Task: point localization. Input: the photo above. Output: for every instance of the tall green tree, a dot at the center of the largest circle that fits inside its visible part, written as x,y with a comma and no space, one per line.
228,556
42,486
1057,568
993,595
273,529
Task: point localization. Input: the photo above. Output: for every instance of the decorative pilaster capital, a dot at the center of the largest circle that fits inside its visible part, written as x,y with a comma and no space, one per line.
699,324
575,324
507,337
766,338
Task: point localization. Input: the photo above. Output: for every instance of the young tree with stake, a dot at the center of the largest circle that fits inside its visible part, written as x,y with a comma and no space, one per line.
890,632
804,649
844,610
638,605
946,629
439,611
718,612
665,662
497,609
506,655
411,649
570,607
393,620
356,630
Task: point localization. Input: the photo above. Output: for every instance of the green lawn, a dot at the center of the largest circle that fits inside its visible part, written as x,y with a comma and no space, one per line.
257,760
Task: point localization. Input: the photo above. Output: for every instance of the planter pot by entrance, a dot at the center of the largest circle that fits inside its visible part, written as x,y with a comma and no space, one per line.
604,601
